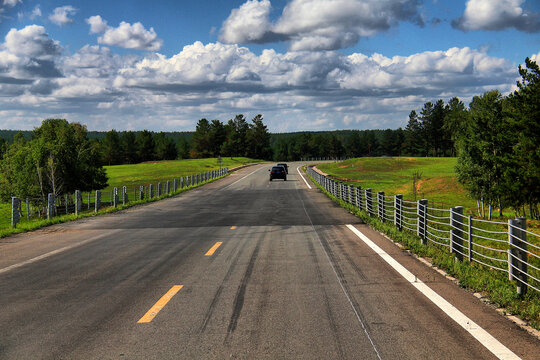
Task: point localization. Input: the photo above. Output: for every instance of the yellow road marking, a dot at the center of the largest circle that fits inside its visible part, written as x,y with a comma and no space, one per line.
151,314
233,227
213,249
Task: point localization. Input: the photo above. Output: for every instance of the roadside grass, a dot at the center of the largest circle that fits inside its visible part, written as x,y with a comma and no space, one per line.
125,175
394,176
472,276
161,171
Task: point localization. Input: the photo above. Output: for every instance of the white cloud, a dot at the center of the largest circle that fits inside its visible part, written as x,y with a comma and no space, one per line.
295,90
97,24
61,15
31,41
36,12
11,3
317,24
497,15
5,5
249,23
128,36
29,53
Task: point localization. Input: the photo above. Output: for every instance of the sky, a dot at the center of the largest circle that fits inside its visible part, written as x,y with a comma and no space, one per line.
305,65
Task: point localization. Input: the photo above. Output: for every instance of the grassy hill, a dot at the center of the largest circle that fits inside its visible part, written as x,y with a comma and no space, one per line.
394,175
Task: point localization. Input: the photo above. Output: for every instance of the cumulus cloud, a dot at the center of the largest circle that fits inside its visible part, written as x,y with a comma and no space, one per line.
61,15
29,52
97,24
96,62
216,80
497,15
317,24
31,41
128,36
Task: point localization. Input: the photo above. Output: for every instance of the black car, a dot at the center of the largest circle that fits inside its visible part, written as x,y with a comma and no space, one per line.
285,166
278,172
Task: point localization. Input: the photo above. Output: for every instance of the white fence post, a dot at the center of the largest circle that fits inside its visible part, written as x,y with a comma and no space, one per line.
124,195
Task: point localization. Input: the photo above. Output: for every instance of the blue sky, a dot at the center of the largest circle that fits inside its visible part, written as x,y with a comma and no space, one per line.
303,64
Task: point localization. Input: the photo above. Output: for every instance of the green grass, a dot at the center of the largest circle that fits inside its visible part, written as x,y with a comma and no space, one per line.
161,171
495,285
394,176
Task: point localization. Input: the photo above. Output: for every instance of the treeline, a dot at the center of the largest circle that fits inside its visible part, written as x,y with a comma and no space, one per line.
58,158
498,145
235,138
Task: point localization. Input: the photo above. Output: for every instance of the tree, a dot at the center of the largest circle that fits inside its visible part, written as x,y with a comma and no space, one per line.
165,148
145,146
523,112
432,117
110,148
455,121
218,135
235,144
414,142
128,147
483,148
58,159
201,140
258,139
184,148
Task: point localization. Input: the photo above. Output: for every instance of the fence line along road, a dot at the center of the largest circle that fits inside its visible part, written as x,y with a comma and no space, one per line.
502,246
34,209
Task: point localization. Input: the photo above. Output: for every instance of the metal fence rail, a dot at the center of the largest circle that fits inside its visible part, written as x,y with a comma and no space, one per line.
502,246
21,211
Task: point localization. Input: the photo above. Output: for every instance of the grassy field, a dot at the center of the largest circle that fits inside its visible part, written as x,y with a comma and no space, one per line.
394,175
161,171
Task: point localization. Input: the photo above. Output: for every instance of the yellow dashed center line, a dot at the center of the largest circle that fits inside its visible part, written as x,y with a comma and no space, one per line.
213,249
154,310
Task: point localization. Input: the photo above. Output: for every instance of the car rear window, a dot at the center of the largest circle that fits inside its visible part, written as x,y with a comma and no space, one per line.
277,168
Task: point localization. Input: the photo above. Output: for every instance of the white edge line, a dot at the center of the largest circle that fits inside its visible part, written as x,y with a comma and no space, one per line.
487,340
51,253
299,173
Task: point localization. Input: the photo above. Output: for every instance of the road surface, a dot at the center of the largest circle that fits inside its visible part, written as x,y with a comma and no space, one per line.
241,268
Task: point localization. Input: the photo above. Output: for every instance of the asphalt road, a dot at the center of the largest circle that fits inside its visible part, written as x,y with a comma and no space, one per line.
287,279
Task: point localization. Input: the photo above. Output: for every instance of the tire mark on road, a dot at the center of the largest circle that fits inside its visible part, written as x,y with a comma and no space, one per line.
241,292
327,308
217,294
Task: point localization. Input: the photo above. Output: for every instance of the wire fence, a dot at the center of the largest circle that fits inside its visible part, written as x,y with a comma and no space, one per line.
22,211
501,246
